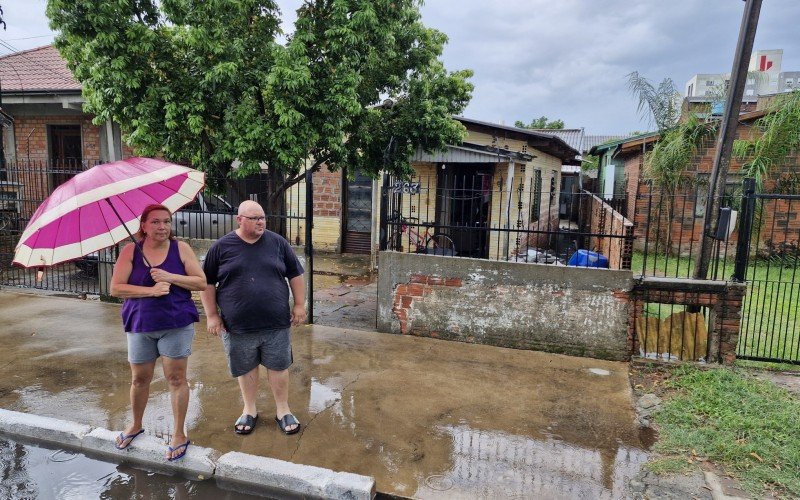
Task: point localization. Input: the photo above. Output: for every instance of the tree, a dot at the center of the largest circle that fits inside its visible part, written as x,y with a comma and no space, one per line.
541,122
661,105
208,83
778,139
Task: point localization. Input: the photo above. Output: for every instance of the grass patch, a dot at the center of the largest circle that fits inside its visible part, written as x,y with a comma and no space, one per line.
746,425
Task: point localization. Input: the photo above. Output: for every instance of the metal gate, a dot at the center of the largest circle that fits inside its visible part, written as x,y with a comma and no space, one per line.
770,325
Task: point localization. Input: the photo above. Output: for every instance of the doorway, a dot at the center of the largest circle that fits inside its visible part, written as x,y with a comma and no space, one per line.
463,206
66,152
357,223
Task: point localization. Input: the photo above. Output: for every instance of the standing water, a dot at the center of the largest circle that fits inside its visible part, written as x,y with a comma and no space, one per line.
29,472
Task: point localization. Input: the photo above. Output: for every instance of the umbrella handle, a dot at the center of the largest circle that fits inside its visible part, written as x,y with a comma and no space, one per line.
137,243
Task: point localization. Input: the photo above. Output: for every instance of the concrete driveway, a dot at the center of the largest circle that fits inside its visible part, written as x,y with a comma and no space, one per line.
426,418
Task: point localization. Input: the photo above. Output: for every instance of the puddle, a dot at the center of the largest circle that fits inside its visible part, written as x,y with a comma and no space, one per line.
488,464
31,471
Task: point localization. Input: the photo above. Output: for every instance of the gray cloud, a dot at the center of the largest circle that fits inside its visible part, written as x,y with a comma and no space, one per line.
564,59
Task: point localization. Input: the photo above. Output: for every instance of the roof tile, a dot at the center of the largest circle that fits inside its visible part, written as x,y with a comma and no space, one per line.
36,70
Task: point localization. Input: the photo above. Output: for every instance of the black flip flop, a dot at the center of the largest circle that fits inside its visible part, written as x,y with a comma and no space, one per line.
286,421
245,421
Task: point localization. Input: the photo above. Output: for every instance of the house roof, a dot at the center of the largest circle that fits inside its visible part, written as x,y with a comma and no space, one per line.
549,144
625,143
572,136
36,70
577,139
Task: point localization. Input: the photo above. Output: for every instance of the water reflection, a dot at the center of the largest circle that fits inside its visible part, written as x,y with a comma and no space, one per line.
32,472
490,464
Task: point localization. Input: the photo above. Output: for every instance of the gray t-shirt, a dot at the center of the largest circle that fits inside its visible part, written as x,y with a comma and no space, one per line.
252,292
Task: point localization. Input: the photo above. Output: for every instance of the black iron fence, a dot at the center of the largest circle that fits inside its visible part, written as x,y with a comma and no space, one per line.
757,241
25,185
476,216
770,328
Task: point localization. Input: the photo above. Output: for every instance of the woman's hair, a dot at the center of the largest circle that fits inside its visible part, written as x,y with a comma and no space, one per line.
140,234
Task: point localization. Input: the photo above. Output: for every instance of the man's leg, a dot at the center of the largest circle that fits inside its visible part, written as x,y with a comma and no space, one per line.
141,376
279,383
248,384
175,373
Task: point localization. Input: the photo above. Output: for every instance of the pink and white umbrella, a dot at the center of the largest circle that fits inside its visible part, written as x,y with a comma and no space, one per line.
101,207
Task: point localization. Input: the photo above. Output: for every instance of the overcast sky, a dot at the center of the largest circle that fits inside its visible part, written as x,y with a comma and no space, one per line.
563,59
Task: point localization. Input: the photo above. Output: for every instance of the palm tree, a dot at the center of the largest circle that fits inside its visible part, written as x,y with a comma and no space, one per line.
661,105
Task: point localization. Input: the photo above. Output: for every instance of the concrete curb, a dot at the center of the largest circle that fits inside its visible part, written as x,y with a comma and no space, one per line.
287,476
44,429
251,471
150,451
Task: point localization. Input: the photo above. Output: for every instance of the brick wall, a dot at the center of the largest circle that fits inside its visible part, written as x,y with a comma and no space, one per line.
327,193
684,226
605,220
33,130
723,299
574,311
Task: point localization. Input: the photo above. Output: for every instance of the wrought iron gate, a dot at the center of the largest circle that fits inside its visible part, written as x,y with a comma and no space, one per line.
770,325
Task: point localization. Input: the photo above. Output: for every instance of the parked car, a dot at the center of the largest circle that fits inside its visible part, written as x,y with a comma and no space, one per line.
206,217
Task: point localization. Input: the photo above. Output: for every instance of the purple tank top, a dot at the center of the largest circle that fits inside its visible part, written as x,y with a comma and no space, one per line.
150,314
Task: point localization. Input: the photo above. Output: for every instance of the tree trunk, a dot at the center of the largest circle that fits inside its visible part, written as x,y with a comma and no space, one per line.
275,206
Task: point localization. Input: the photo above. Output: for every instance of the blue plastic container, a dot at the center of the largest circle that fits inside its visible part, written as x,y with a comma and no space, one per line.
587,258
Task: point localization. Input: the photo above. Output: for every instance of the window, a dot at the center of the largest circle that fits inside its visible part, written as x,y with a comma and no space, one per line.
710,83
690,91
537,195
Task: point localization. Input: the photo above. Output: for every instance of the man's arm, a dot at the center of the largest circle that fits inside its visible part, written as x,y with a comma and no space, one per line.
298,286
213,320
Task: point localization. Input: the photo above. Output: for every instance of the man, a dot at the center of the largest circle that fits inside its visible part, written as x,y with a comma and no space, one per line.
247,303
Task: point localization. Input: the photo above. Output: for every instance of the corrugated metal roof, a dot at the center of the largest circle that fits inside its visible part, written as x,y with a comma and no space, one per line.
459,154
36,70
572,136
577,139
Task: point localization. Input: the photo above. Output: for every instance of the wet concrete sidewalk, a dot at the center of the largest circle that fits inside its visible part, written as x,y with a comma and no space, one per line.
426,418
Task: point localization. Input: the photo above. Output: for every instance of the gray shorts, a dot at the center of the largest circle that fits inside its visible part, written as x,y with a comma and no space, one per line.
271,348
175,343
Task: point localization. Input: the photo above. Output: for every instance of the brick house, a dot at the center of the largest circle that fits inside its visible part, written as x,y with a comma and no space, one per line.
621,167
50,131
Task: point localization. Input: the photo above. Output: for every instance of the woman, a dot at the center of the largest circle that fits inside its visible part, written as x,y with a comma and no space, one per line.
159,316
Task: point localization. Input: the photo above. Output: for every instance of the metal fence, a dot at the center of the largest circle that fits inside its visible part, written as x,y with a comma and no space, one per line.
476,216
25,185
770,328
757,241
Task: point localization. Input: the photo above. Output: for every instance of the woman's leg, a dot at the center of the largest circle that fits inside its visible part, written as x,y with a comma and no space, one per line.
175,373
141,376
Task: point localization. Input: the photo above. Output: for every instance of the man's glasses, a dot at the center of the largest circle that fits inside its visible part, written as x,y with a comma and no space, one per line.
257,219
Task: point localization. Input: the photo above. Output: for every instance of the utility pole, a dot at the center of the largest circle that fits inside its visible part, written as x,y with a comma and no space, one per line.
727,133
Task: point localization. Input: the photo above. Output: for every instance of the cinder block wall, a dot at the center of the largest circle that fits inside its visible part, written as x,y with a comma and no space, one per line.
576,311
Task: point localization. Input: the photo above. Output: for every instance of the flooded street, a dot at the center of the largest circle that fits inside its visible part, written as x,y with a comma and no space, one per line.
426,418
33,472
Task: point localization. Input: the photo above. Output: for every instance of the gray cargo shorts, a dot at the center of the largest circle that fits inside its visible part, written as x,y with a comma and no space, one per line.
271,348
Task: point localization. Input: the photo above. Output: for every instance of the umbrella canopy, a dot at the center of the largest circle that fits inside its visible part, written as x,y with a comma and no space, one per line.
87,213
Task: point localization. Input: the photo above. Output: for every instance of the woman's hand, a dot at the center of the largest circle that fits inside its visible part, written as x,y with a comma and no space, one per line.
161,276
160,289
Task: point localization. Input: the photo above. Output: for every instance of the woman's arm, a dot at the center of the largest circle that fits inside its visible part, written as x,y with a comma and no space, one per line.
122,272
195,278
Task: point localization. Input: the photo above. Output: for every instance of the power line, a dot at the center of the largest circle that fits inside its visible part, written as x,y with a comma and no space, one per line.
29,37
